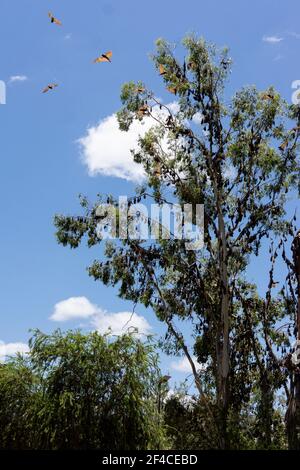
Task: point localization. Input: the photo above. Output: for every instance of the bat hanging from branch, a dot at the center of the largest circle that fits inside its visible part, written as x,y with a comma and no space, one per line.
296,254
162,70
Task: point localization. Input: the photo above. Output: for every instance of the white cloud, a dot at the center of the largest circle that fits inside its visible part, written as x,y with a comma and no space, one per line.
272,39
198,118
10,349
18,78
183,365
106,150
74,307
120,323
99,319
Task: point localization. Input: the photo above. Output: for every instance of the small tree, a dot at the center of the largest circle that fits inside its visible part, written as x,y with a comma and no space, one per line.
17,402
80,391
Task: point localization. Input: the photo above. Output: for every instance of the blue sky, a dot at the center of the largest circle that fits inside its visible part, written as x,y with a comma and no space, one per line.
42,171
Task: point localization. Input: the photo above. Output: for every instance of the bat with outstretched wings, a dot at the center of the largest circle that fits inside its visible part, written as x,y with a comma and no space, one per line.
49,87
106,57
53,19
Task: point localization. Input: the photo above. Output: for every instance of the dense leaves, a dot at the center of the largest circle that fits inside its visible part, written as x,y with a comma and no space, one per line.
77,391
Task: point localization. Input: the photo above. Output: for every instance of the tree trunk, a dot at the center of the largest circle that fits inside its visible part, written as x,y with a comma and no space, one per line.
293,411
223,352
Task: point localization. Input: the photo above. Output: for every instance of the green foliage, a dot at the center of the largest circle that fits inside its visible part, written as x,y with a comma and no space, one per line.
80,391
190,427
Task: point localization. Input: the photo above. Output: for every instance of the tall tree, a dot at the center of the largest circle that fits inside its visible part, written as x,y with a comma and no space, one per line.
238,157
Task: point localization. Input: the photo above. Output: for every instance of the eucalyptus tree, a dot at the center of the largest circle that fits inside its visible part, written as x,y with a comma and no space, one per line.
237,156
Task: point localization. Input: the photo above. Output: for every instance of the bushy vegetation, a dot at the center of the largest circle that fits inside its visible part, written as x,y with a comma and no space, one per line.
77,391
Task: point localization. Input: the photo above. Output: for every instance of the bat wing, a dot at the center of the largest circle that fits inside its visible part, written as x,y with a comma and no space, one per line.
100,59
51,86
53,19
103,58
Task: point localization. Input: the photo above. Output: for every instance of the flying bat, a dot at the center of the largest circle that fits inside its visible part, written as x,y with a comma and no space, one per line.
53,19
104,57
49,87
